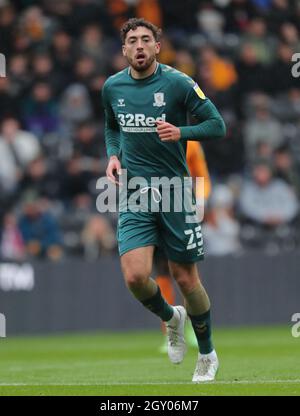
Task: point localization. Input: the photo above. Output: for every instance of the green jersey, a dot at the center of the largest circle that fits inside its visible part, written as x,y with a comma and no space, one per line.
132,107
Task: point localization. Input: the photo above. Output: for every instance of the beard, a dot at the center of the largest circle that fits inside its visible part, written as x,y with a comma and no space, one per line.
141,67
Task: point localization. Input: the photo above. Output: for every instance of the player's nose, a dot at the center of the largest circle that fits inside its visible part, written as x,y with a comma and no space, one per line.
140,45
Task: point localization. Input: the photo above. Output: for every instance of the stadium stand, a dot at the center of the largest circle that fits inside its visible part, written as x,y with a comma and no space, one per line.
60,53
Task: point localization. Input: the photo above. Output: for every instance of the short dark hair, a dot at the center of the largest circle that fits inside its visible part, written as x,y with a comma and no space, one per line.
134,23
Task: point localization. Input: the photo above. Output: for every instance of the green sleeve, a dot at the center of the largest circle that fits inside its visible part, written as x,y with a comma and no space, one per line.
111,130
211,124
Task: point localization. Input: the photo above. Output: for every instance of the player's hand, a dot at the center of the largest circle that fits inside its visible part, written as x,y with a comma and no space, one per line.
113,169
167,132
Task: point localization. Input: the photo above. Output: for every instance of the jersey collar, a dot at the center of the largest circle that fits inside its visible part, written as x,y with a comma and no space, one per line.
143,79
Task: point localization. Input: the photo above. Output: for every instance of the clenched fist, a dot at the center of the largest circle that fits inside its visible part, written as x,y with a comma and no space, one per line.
167,132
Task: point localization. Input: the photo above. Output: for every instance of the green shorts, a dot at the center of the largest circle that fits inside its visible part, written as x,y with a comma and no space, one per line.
180,239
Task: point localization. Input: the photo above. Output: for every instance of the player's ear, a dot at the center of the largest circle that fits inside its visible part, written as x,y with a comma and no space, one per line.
124,50
157,47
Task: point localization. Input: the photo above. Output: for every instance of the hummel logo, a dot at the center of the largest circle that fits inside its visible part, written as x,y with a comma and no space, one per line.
121,102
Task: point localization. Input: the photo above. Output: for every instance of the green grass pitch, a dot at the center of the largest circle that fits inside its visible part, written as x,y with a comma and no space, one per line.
253,361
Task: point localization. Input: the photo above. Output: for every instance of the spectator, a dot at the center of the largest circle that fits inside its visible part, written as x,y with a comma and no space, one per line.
86,73
84,70
211,22
85,12
221,229
87,162
75,107
149,10
117,63
43,70
286,169
230,151
290,36
35,27
21,44
7,27
98,237
280,73
94,45
40,110
267,201
119,11
8,101
262,127
44,177
40,230
264,151
80,210
19,76
63,54
185,63
223,73
280,13
11,245
167,53
238,14
180,15
262,42
89,144
24,144
251,73
17,149
286,106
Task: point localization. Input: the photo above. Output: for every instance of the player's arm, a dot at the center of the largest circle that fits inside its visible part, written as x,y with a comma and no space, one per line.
111,131
112,137
211,124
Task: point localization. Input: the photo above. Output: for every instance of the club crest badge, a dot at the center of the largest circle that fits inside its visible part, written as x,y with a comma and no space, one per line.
159,99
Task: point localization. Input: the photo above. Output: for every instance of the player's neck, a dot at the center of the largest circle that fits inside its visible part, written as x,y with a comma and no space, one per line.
144,74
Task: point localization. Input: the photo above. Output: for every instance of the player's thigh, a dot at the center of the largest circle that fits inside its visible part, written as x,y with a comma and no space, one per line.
137,264
135,230
137,236
182,239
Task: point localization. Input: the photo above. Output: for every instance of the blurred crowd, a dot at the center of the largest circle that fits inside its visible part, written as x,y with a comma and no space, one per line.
60,52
